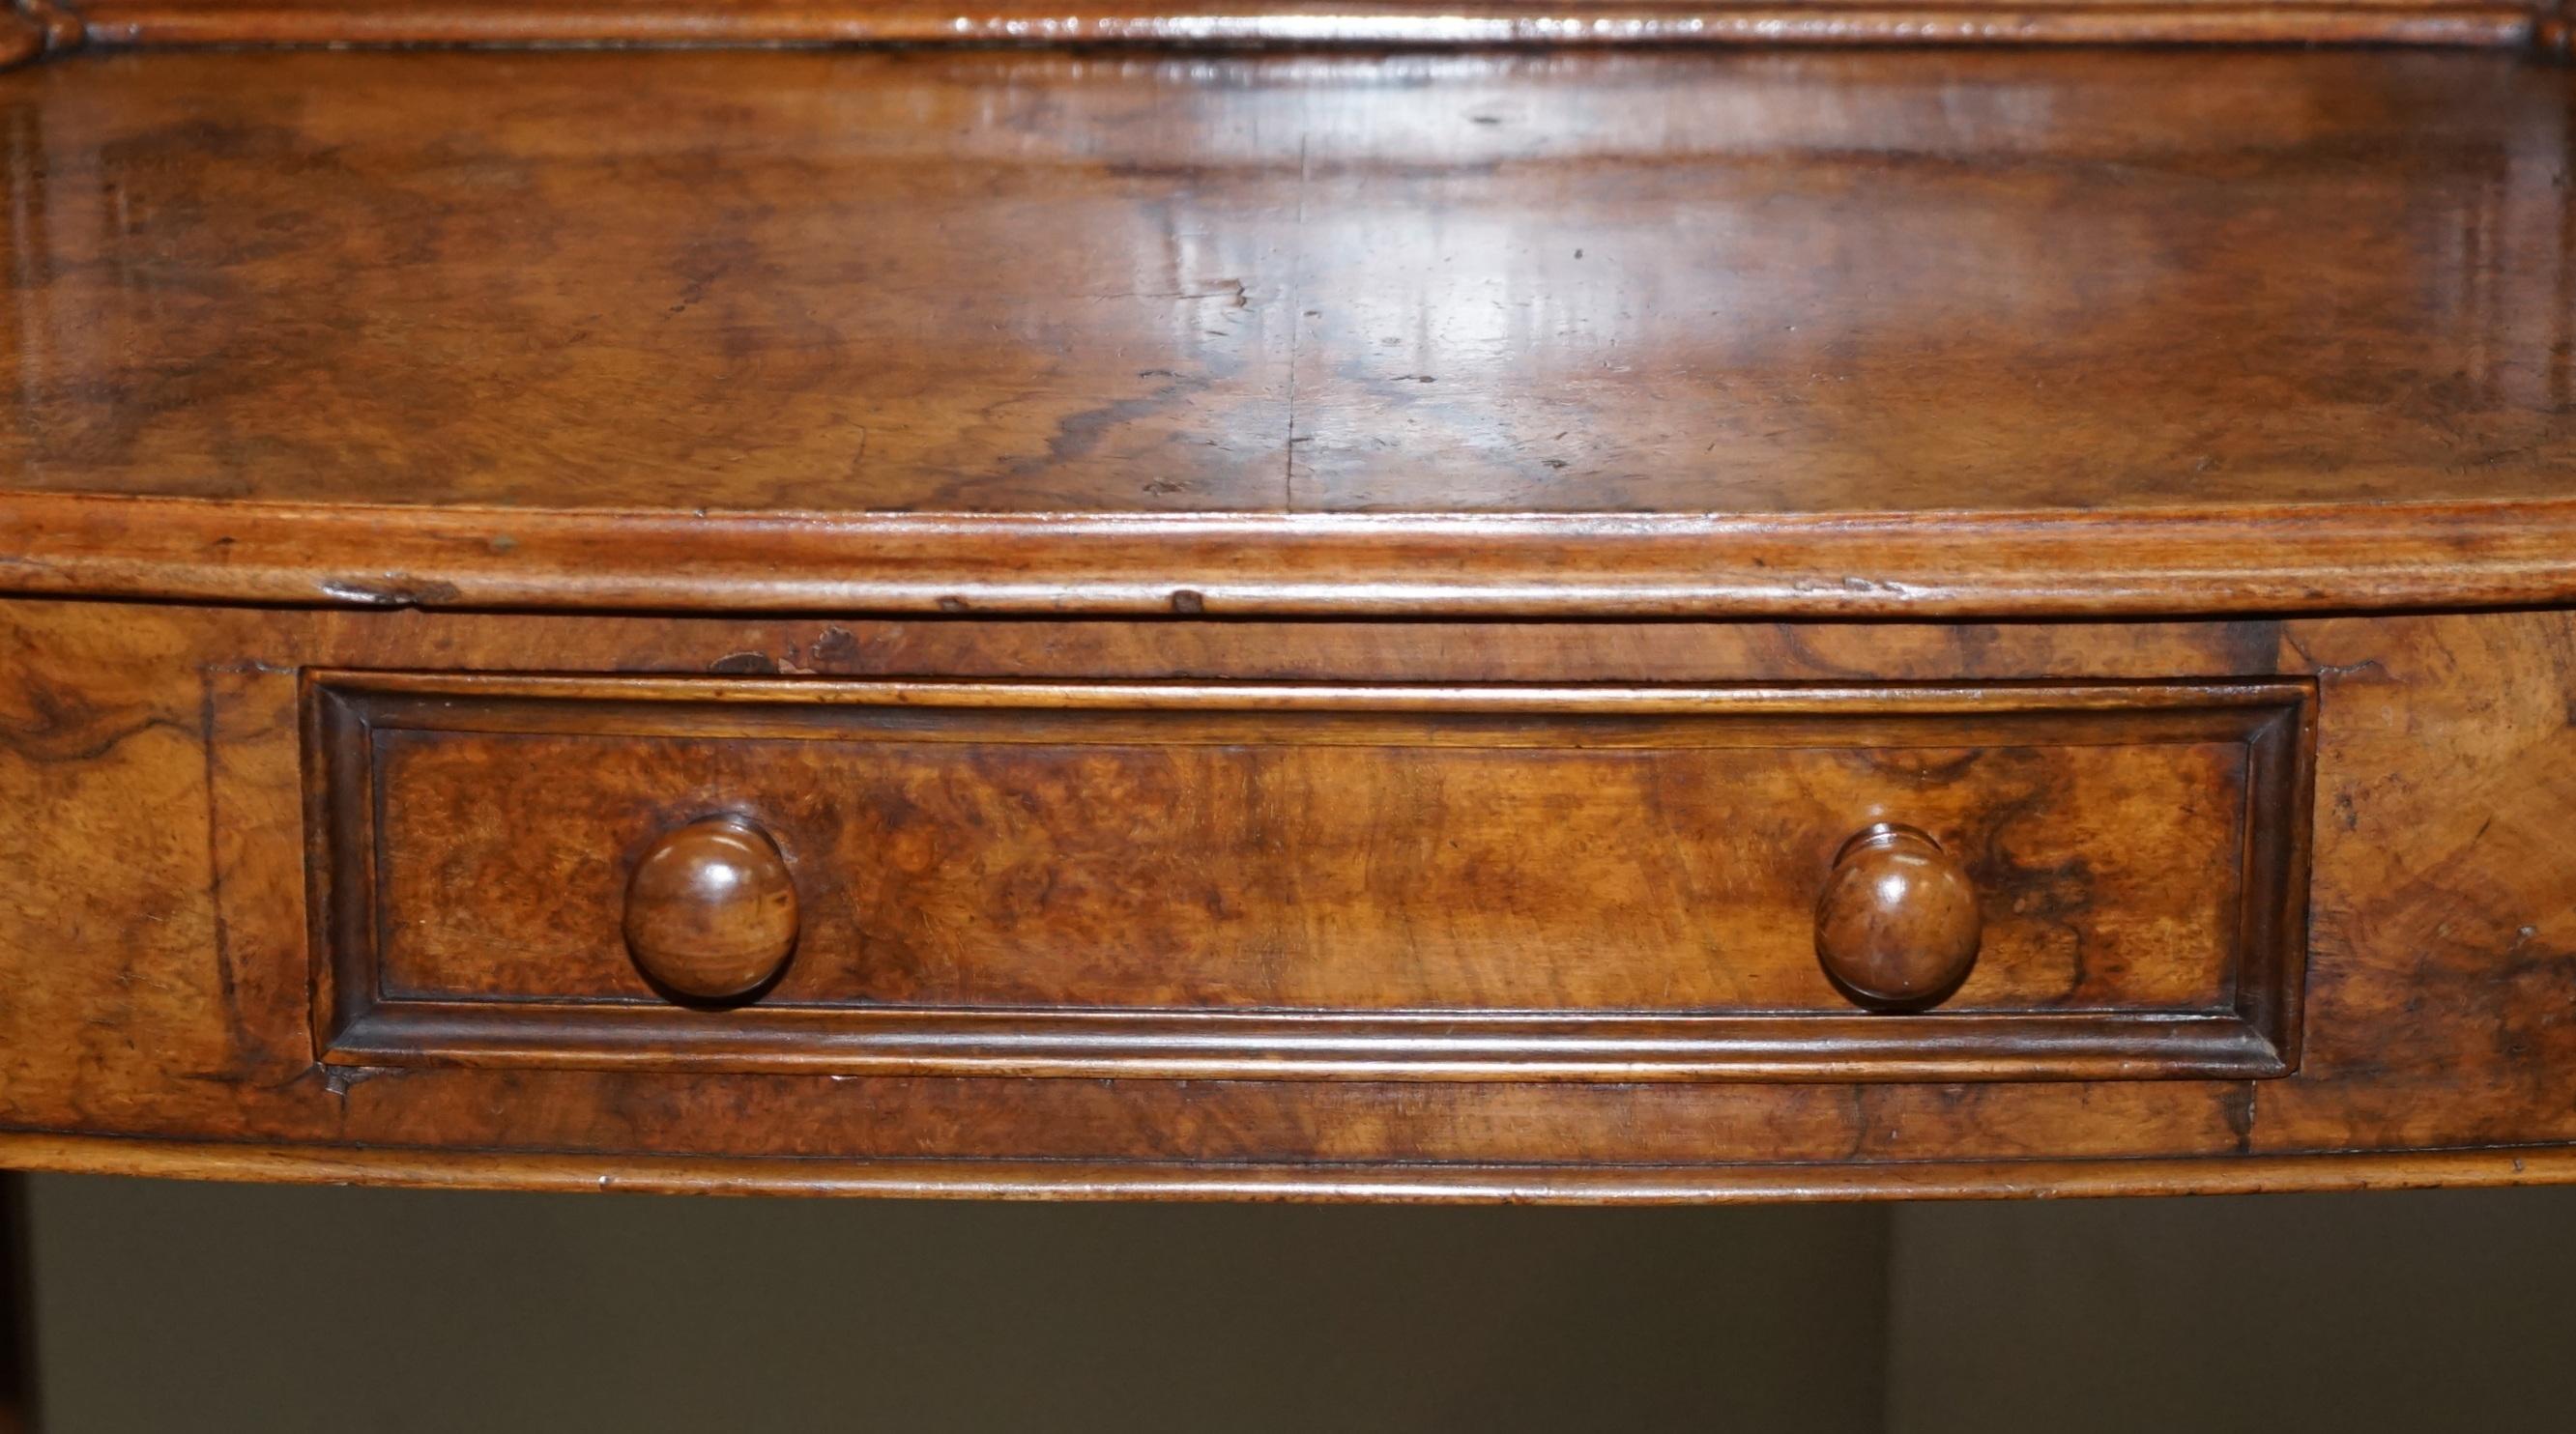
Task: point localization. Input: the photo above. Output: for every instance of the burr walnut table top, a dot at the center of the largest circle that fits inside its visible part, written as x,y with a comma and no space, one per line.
1823,333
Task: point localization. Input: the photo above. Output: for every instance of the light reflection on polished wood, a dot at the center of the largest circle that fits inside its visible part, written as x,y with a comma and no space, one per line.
1307,333
1897,926
2439,965
711,909
1234,880
1367,22
1270,367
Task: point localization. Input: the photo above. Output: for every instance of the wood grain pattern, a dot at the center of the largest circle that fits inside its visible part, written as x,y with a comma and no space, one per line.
2349,1171
1191,880
1897,924
31,29
20,39
2141,333
710,912
795,466
1304,22
177,1008
1907,568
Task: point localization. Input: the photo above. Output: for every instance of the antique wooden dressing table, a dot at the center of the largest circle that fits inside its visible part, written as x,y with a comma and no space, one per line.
1566,611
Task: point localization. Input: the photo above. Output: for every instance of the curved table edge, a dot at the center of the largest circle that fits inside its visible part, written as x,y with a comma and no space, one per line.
2477,23
1414,1184
1954,564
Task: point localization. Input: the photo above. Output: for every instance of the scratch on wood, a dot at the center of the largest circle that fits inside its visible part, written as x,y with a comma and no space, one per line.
1296,329
2331,670
215,864
339,1079
393,590
2238,1107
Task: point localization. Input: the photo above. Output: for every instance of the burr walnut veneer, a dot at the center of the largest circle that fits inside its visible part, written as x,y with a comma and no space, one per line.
1621,624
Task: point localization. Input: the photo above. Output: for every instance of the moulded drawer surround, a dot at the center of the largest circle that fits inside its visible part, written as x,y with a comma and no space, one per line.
1213,879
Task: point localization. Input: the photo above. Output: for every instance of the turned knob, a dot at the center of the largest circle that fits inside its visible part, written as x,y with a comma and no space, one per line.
1898,924
711,910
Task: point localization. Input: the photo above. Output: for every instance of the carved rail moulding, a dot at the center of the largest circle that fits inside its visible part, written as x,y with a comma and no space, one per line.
161,23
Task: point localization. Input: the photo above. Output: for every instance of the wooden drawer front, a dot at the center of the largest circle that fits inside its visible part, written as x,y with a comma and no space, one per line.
1484,882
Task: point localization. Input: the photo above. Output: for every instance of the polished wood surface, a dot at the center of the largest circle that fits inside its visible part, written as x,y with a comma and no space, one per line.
177,1004
1898,925
1297,626
2348,1172
1234,880
160,23
710,910
1793,334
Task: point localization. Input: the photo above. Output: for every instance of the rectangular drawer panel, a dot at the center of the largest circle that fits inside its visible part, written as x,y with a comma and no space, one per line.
1608,883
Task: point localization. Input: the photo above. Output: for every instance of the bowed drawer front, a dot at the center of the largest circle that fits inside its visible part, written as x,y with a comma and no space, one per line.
1586,883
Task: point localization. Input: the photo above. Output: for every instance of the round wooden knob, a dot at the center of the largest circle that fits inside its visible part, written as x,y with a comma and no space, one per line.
1898,924
711,910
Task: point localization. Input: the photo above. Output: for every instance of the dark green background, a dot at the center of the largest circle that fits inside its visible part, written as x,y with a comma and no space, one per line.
213,1308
